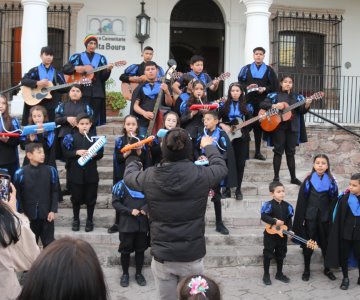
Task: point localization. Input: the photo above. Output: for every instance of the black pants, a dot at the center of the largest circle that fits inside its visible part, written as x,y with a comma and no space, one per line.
133,241
274,246
347,245
97,105
316,231
43,230
284,140
84,193
241,150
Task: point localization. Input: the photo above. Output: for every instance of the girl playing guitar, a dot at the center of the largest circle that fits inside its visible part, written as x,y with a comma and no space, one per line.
289,133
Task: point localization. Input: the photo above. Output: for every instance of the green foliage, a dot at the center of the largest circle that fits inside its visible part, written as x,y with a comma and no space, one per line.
115,100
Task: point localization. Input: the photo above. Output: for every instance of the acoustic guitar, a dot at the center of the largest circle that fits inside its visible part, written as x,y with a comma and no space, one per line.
90,70
35,96
285,114
221,77
282,229
127,89
236,129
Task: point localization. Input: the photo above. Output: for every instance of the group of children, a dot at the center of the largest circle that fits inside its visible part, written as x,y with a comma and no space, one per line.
321,215
318,216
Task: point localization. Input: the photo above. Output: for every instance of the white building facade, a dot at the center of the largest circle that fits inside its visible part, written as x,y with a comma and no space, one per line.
316,40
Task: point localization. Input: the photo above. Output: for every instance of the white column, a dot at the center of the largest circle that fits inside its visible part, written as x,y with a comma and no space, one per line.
33,38
34,32
257,27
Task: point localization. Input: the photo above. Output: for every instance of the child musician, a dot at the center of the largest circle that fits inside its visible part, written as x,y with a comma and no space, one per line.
233,110
171,120
9,157
345,231
180,102
83,180
133,228
130,133
288,134
221,140
191,120
66,113
317,194
276,212
38,116
197,67
37,193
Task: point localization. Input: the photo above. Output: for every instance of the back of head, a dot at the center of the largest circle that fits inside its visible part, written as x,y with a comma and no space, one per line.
198,287
9,229
176,145
67,269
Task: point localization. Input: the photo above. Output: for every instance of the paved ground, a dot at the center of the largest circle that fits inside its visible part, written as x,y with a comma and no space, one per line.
245,283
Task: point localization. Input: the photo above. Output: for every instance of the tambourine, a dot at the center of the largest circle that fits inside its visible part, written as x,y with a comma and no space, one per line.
138,144
204,106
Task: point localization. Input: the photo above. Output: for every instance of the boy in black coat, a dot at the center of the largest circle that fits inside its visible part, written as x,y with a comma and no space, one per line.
133,229
220,140
345,231
276,212
37,186
83,180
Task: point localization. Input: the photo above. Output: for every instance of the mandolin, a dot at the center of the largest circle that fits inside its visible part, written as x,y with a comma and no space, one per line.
90,70
282,229
285,114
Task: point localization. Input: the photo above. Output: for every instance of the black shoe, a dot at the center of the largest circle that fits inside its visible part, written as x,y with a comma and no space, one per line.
295,181
266,279
259,156
124,280
305,276
283,278
113,229
238,195
226,193
345,283
89,226
75,225
140,279
329,274
276,179
65,192
220,227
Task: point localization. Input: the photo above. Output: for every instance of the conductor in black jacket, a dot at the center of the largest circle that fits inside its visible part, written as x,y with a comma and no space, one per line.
177,192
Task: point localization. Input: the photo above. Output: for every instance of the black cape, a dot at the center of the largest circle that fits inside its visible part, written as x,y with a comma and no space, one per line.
302,202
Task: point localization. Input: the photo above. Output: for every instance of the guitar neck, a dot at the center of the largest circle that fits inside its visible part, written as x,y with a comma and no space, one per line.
98,69
296,237
61,86
293,106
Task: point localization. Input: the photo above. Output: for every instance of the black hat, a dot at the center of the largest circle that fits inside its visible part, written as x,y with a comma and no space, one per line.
176,145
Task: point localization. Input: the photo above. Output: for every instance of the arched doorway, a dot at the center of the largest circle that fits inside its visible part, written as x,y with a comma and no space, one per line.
197,27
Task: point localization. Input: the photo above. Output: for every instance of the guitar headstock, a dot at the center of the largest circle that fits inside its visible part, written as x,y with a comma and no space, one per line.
119,63
176,75
317,96
311,244
223,76
84,81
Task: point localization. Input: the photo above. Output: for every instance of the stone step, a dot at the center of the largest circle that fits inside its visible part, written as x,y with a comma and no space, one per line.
243,236
217,256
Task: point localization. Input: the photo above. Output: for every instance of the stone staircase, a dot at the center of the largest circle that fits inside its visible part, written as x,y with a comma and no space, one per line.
243,247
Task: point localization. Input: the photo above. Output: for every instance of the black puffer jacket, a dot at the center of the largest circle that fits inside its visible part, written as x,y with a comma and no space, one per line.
177,193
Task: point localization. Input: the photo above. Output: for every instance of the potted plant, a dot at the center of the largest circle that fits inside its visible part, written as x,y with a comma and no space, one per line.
115,101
